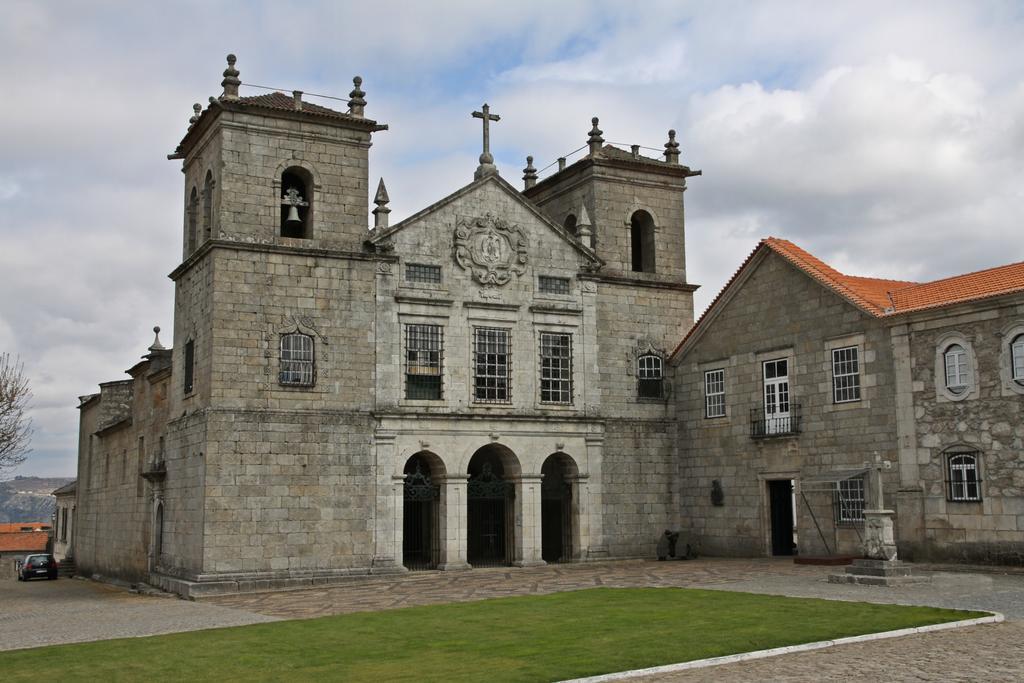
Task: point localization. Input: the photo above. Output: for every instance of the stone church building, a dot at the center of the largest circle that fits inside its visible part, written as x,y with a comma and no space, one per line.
489,382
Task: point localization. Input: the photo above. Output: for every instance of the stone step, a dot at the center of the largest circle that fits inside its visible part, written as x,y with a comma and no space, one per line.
864,580
880,571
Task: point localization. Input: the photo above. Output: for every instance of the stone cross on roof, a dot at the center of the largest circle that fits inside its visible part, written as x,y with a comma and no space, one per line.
486,166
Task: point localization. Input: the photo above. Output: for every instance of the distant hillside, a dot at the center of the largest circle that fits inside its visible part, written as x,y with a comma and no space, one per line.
28,499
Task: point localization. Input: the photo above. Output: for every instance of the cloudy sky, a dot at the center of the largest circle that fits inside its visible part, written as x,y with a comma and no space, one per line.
887,138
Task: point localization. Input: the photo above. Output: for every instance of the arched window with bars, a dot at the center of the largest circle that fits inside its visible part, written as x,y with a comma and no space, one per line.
963,477
650,373
297,360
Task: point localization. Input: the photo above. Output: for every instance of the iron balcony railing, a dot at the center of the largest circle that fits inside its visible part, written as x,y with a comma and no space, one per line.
763,426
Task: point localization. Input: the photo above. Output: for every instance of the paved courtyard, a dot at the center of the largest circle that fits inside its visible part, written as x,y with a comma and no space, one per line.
80,610
38,613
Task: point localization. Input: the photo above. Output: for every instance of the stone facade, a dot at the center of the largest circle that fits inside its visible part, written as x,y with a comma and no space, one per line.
64,521
903,415
264,482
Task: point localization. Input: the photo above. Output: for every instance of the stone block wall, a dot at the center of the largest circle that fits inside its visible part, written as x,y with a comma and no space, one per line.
288,492
989,420
639,496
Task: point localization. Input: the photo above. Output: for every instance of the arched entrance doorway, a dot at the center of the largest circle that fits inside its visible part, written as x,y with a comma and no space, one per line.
420,511
491,514
556,508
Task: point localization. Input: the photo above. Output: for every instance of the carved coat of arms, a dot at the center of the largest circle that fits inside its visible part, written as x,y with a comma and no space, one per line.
491,248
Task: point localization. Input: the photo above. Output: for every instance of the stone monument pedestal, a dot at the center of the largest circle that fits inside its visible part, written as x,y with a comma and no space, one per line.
870,572
880,566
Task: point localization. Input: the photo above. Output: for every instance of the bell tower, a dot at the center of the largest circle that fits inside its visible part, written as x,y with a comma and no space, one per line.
273,182
628,207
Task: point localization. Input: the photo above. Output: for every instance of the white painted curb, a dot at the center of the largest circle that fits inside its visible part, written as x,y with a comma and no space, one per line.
776,651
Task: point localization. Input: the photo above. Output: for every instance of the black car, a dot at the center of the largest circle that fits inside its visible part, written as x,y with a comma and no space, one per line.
37,566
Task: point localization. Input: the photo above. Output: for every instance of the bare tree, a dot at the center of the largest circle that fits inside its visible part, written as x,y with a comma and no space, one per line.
15,425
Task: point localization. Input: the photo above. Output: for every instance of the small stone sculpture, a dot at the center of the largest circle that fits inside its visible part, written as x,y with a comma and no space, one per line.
667,545
717,494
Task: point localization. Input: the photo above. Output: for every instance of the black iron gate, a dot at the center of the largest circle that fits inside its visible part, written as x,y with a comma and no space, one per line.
420,548
556,528
490,519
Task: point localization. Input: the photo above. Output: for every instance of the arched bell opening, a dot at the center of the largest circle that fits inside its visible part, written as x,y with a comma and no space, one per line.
557,508
641,239
297,203
491,506
421,504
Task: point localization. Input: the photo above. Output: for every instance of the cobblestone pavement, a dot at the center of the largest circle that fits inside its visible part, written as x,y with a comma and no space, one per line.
38,613
781,577
992,652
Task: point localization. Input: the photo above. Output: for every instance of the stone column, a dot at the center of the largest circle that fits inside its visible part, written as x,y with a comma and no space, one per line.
580,522
597,549
528,521
454,522
387,556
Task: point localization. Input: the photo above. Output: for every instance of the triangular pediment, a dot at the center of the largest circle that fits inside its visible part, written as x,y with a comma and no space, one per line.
382,238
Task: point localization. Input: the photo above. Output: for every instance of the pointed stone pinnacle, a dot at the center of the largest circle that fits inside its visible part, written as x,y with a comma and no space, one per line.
381,199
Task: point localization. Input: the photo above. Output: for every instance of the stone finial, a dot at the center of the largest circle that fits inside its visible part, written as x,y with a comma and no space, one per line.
635,150
231,81
357,101
297,98
529,174
381,199
672,149
197,109
583,226
561,163
595,141
156,345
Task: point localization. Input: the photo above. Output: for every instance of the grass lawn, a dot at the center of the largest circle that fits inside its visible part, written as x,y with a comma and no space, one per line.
532,638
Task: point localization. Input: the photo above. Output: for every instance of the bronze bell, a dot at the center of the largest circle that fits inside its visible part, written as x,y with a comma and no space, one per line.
293,217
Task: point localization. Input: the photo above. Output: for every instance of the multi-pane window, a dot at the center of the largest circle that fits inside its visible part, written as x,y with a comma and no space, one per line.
714,393
650,376
190,361
424,346
1017,358
776,397
958,378
553,285
297,360
418,272
850,500
492,362
845,375
555,367
964,482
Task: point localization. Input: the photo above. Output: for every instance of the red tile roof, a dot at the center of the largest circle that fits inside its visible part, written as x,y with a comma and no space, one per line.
13,527
278,100
879,297
30,541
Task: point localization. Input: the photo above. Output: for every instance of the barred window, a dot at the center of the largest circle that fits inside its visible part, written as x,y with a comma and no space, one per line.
650,376
714,393
958,376
845,375
492,363
964,482
553,285
555,367
424,346
1017,358
190,361
297,360
418,272
850,500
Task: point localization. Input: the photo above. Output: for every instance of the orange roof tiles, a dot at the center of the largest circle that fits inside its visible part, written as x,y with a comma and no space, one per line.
880,297
30,541
15,527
